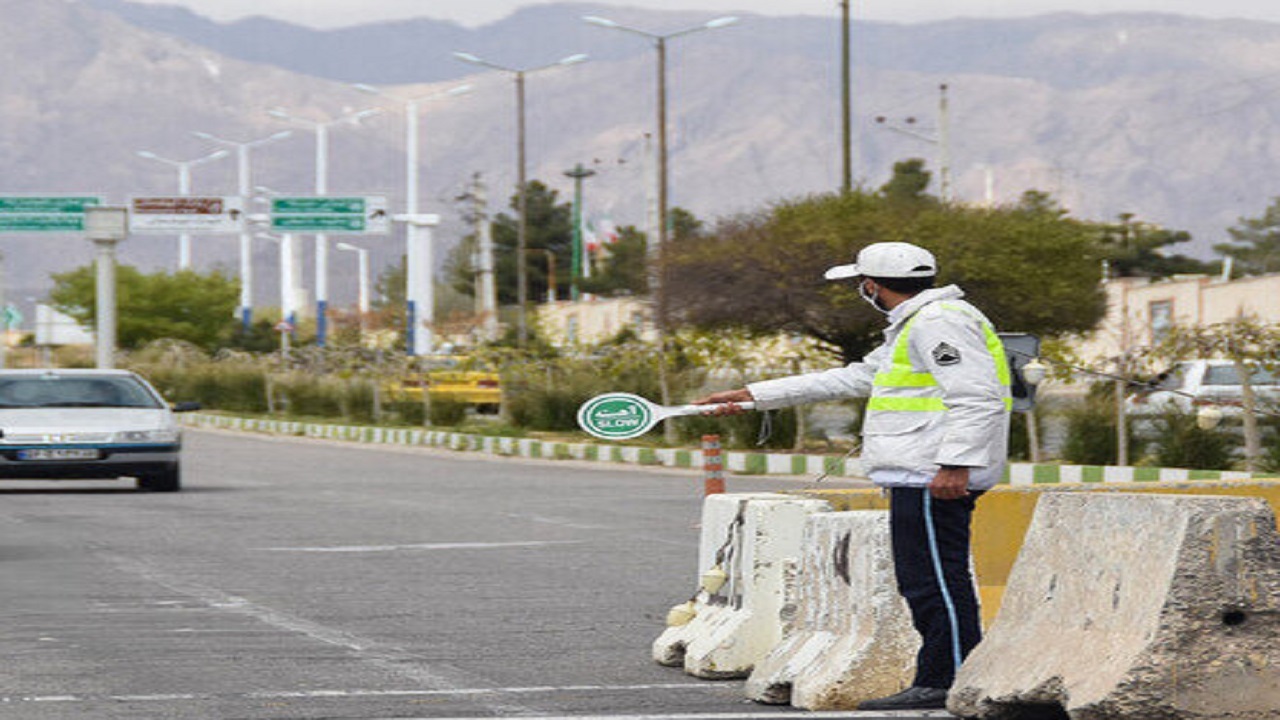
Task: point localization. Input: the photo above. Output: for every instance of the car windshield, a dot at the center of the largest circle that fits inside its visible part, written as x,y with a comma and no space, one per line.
47,391
1172,379
1226,375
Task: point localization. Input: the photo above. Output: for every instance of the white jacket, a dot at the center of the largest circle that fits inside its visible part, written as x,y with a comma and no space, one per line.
951,345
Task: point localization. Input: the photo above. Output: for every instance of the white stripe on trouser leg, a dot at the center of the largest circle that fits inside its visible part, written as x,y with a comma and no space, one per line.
936,556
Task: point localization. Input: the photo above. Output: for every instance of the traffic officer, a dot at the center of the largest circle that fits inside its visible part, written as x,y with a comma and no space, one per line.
935,435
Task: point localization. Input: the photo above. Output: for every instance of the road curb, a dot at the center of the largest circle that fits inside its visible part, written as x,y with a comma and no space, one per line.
746,463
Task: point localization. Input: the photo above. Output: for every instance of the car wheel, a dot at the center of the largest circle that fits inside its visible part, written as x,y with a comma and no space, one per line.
168,479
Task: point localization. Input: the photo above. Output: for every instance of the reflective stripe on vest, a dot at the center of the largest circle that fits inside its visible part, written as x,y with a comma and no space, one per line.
901,374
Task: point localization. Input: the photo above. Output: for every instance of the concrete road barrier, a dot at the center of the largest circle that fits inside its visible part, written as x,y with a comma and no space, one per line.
750,537
1135,606
852,638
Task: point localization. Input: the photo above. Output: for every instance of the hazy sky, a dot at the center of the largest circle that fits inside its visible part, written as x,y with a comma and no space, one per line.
332,13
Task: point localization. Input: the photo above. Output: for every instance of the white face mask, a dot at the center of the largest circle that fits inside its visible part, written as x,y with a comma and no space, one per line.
872,299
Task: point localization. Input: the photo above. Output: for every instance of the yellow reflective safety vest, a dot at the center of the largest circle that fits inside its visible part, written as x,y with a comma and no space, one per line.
903,389
938,392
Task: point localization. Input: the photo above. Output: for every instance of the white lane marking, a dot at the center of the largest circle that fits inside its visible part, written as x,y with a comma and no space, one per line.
559,522
318,694
386,658
423,546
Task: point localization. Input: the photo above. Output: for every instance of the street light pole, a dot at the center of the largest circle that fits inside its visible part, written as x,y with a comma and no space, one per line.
288,291
362,264
660,280
244,184
660,45
321,130
184,189
522,227
419,253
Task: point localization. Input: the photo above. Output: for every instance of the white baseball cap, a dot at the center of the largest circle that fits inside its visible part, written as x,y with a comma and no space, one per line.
888,260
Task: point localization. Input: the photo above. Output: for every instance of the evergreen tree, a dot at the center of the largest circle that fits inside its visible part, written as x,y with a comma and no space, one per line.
1255,243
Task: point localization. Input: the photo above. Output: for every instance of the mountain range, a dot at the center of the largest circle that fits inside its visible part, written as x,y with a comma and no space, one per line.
1171,118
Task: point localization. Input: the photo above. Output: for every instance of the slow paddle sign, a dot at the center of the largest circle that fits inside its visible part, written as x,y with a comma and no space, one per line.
622,416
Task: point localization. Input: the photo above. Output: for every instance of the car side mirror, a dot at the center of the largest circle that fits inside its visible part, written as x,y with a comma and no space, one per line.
186,407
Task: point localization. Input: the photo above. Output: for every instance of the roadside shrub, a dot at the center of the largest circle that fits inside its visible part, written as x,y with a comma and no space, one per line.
1091,430
741,432
543,393
450,413
1178,442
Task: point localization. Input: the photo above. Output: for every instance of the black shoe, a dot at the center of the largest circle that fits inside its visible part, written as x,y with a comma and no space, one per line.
913,698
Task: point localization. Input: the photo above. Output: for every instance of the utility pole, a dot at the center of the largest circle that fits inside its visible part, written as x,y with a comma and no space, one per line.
578,173
846,100
944,141
486,288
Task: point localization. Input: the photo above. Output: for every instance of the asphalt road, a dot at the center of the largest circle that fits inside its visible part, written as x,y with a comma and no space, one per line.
308,579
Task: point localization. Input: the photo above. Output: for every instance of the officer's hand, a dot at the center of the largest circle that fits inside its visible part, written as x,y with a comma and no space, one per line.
728,397
950,483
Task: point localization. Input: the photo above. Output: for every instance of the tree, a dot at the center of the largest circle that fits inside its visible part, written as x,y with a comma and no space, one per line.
195,307
624,269
1249,344
908,183
1030,271
1255,242
550,227
1137,249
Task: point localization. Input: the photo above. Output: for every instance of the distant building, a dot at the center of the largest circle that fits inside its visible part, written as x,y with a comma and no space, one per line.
1140,311
587,322
55,328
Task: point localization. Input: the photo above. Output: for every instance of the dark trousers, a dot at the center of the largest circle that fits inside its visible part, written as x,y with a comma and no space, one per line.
931,562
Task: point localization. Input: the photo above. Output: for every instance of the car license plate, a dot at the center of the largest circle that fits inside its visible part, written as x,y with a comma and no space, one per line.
59,454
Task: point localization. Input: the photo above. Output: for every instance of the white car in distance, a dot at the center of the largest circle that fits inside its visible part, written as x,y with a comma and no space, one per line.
1192,384
88,424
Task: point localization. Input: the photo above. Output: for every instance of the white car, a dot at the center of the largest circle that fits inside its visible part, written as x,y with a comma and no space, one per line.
59,424
1192,384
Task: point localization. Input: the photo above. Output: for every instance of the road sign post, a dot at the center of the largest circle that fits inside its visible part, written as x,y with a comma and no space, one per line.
106,226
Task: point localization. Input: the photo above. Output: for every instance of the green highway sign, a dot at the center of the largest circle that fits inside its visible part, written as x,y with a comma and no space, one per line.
41,223
57,205
44,214
318,223
318,206
365,215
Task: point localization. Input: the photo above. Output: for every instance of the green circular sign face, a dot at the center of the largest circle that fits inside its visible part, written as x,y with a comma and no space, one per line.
617,416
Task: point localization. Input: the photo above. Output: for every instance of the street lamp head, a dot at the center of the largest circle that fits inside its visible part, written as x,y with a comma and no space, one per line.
469,58
205,136
347,246
280,135
459,90
602,22
366,88
721,22
573,59
364,115
279,113
149,155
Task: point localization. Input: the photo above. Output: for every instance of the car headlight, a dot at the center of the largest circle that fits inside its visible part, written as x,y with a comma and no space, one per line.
141,436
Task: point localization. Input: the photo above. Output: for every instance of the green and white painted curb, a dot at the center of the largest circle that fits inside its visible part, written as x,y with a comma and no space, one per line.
747,463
